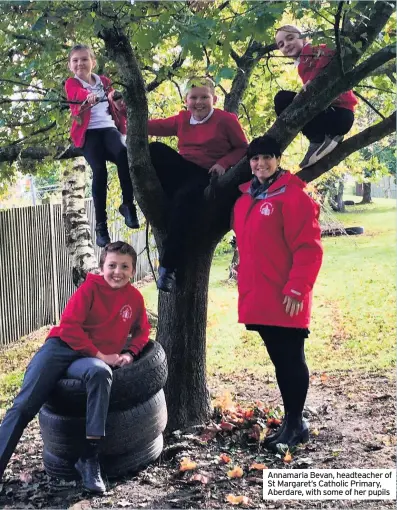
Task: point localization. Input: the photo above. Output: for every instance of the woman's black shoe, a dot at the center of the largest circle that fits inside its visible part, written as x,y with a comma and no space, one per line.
271,437
130,216
290,436
102,234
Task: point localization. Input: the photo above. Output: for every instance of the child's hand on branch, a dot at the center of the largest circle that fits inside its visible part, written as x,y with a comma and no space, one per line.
92,98
125,359
217,169
305,85
292,306
119,104
110,359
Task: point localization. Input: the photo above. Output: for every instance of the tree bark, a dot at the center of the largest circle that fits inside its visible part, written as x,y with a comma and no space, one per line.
367,198
182,333
78,235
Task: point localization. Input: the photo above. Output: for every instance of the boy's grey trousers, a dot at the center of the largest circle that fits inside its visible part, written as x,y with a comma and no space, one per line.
54,360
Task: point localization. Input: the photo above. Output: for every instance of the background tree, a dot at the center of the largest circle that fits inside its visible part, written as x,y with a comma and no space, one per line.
149,47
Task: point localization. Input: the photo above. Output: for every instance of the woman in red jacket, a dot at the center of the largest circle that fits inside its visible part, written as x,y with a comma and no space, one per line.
278,239
98,124
328,128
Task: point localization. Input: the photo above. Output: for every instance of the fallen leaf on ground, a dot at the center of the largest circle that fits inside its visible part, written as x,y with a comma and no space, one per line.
255,432
225,425
124,503
236,472
315,432
257,466
237,500
225,459
287,457
199,478
84,504
187,464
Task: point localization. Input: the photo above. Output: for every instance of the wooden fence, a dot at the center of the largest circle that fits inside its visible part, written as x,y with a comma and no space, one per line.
35,269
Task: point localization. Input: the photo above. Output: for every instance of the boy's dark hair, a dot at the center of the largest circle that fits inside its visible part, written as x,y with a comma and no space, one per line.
118,247
78,47
263,145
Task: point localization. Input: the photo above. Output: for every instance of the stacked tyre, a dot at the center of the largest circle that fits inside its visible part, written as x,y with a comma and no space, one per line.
136,419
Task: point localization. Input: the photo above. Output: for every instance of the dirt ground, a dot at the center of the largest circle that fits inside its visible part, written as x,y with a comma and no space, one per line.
352,420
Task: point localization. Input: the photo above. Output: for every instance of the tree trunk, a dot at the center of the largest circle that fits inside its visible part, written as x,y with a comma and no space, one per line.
367,199
182,333
339,196
78,235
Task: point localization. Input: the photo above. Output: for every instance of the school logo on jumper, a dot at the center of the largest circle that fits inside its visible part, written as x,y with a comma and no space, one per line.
266,209
126,312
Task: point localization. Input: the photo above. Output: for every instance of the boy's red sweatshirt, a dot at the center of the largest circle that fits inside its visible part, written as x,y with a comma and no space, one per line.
99,318
219,140
312,60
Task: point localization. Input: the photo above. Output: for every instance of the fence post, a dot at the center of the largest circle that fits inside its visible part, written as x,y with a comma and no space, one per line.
54,262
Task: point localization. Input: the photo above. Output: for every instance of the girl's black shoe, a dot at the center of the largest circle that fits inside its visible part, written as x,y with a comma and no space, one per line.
102,234
130,216
291,436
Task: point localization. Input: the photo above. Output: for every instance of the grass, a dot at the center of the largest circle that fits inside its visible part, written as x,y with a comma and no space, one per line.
354,312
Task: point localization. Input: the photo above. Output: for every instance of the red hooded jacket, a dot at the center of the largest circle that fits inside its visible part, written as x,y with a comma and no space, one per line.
82,114
278,239
99,318
312,61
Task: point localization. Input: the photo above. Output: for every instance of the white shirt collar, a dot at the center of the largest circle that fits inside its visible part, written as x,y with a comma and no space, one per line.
195,121
88,85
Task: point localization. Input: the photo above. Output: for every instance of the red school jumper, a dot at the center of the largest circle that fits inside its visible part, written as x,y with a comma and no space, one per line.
278,239
76,92
312,61
218,140
99,318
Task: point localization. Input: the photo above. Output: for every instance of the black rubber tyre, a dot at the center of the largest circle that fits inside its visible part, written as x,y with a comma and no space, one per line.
132,384
111,465
336,232
349,202
126,431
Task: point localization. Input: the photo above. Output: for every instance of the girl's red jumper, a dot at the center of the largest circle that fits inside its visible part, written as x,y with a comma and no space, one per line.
82,114
100,318
312,60
278,239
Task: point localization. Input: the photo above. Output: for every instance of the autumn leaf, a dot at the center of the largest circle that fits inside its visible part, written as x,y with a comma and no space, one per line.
225,402
248,414
287,458
273,422
255,432
187,465
199,478
323,377
315,432
236,472
237,500
225,459
258,467
225,425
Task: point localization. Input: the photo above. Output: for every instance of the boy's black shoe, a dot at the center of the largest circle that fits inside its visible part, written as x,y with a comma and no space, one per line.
130,216
102,234
90,473
166,280
291,436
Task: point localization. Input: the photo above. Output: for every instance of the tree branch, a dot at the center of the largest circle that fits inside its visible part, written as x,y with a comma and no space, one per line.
169,74
352,144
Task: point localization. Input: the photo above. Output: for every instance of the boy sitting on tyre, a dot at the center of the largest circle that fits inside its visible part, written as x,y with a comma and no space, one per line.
90,339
